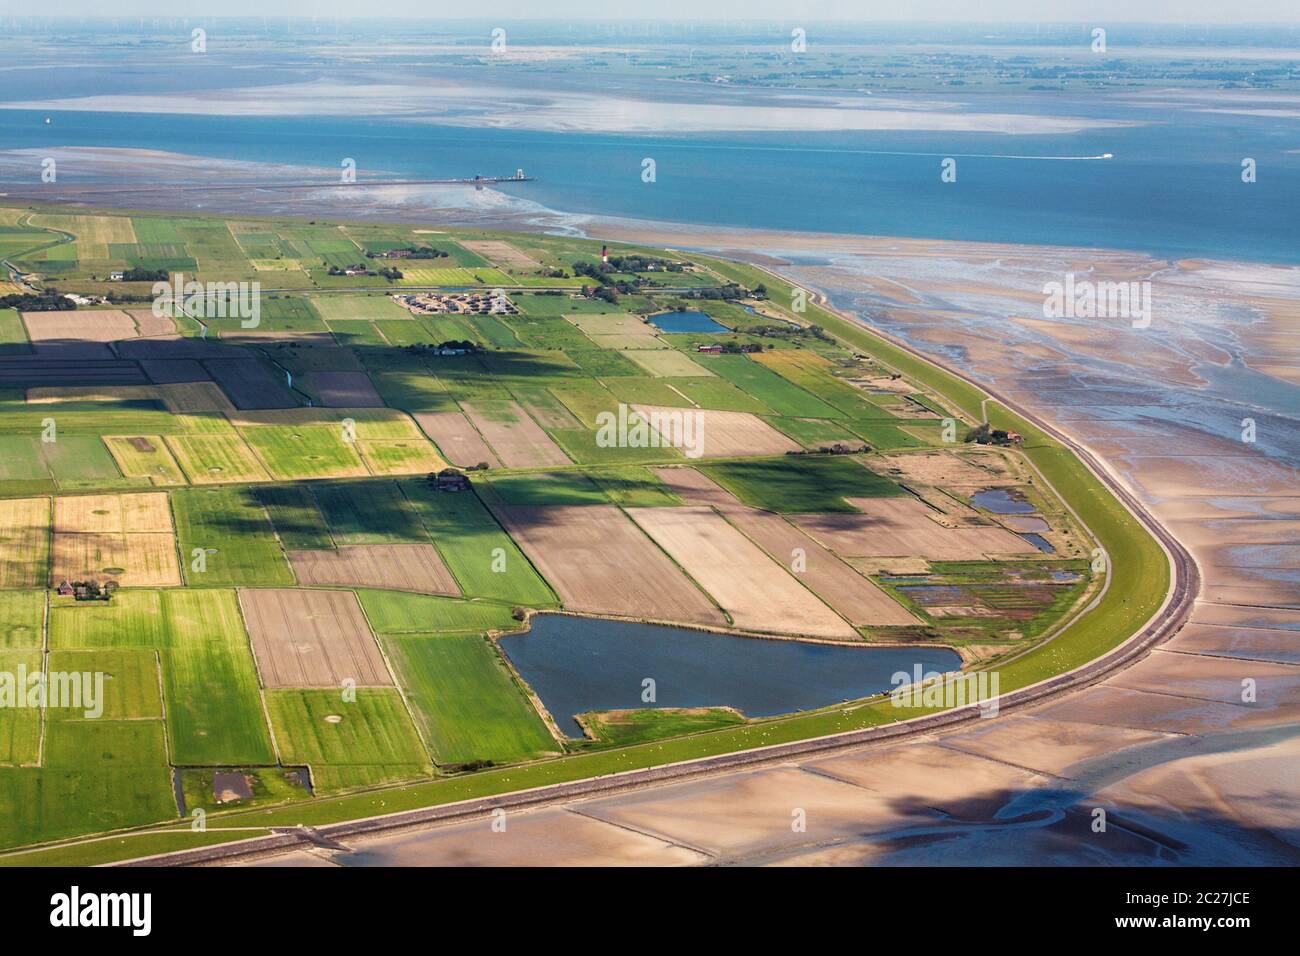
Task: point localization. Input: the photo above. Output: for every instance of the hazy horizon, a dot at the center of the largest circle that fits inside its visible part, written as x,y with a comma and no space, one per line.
1190,12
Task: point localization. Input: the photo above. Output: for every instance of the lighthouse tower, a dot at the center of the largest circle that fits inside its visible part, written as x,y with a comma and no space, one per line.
604,254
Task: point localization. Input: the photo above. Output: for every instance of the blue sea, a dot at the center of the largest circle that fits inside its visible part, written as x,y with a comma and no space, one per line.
1173,187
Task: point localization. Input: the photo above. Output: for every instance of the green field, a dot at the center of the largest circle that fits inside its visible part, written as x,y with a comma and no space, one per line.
131,690
566,488
771,389
400,612
22,618
209,682
351,308
304,451
469,538
20,727
369,512
635,487
132,619
228,532
801,484
626,727
466,701
347,743
214,713
294,516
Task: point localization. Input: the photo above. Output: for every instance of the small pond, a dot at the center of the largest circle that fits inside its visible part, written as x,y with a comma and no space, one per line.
1002,501
1039,542
687,321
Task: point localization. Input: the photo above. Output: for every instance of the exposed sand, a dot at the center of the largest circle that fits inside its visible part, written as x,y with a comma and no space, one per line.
530,838
459,102
707,814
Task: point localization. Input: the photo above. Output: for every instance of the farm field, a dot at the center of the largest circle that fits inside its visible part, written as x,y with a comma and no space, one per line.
758,593
905,526
228,537
466,702
363,742
400,567
725,434
852,594
311,638
801,484
600,563
355,496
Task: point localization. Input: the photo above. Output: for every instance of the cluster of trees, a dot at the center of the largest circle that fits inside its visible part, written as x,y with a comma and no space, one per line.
986,435
93,591
410,252
136,274
608,288
784,330
726,293
47,300
638,263
117,297
391,273
736,348
839,448
464,344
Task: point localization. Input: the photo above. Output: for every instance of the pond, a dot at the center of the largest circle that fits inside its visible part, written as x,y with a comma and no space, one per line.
687,321
1039,542
579,664
1002,501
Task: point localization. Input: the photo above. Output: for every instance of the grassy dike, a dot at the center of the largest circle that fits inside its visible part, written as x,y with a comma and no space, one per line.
1138,585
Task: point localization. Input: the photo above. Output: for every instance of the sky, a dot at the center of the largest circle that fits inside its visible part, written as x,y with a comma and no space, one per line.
1025,11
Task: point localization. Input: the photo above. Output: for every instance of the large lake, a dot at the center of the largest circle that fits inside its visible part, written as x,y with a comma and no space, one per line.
580,664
